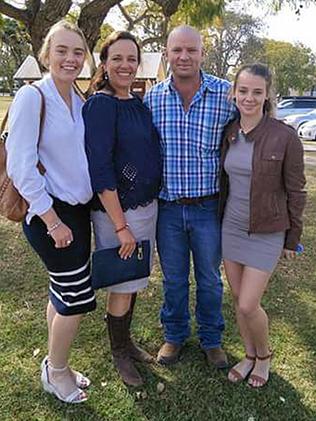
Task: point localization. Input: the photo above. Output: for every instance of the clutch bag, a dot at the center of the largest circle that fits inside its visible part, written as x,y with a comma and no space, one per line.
109,269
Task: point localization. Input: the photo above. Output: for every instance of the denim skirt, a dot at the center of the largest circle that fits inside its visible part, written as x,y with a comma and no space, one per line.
142,222
68,268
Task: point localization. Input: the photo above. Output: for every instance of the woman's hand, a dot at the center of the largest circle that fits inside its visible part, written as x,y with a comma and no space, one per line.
288,254
128,243
62,235
60,232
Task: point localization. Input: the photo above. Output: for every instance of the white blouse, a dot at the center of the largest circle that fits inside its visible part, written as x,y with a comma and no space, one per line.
61,149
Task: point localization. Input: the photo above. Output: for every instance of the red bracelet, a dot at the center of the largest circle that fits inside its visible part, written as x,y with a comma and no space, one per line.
126,226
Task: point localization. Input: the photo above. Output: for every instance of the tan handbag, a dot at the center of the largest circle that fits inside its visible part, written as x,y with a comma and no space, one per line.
12,205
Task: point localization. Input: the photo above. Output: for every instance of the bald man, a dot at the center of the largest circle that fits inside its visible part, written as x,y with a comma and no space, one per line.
190,110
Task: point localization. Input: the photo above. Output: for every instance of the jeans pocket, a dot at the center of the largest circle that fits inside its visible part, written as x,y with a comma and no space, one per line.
209,205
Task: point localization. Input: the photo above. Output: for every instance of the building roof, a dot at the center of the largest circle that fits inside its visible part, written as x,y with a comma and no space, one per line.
149,68
29,70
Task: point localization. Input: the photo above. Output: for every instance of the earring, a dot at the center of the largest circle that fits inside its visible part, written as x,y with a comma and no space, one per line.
106,76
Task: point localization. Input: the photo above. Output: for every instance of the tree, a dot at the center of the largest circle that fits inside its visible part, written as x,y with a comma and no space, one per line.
231,40
38,16
153,22
294,66
14,46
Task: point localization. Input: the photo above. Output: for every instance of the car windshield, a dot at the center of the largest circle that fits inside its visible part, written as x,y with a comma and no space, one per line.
284,104
290,104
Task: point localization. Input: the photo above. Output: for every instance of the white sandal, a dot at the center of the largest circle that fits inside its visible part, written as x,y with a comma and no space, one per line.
82,381
77,396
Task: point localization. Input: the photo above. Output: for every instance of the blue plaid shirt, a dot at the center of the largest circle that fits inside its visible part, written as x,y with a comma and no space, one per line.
190,140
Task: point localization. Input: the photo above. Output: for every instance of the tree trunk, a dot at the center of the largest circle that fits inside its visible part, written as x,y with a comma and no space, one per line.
169,7
91,18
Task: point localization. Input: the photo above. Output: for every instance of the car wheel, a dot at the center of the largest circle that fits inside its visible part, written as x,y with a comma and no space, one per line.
300,125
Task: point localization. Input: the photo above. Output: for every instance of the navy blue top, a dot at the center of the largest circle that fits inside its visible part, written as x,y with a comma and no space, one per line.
123,150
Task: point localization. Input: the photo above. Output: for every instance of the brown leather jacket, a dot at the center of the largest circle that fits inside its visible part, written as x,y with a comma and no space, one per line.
277,195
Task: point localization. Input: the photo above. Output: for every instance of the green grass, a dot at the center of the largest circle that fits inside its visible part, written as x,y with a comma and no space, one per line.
4,104
192,390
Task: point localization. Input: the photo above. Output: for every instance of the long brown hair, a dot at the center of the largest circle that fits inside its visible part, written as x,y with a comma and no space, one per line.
259,69
100,79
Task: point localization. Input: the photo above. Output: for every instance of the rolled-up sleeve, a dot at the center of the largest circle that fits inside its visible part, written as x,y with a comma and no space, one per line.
99,115
22,150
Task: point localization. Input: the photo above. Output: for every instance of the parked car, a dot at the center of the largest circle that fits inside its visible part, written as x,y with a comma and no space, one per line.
307,131
296,105
296,120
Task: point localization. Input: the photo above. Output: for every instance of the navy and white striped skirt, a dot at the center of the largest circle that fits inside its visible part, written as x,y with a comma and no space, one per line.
68,268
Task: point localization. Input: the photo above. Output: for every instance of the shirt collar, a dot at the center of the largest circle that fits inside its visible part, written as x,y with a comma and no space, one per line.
207,82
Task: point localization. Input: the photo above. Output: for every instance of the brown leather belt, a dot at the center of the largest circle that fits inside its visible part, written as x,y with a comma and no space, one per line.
195,200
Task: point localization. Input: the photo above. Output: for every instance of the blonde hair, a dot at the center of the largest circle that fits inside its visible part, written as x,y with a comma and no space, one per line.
68,26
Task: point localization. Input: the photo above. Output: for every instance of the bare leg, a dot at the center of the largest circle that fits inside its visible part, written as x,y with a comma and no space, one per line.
254,283
63,330
50,314
234,272
118,304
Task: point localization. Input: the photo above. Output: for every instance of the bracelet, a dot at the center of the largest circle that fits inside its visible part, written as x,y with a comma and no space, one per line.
53,227
126,226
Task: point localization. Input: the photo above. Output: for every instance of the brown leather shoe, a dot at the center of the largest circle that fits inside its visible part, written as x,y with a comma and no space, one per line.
216,357
169,353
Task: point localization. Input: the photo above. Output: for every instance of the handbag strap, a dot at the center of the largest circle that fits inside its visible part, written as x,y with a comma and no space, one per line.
42,115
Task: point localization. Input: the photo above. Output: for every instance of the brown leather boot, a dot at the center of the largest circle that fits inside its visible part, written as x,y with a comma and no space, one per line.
118,328
216,357
135,352
169,353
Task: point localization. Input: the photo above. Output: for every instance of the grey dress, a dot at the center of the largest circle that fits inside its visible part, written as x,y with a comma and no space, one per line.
259,251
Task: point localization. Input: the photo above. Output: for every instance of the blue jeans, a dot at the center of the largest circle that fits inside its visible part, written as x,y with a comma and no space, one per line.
183,229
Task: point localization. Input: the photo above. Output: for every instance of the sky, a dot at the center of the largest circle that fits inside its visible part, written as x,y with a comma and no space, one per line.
287,26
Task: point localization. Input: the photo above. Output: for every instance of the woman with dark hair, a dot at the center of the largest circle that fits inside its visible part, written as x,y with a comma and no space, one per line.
262,200
125,167
57,224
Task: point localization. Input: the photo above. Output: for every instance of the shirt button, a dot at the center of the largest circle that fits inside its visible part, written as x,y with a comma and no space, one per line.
273,157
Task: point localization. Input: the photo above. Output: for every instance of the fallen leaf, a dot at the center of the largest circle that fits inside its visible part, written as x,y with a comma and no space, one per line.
36,352
160,387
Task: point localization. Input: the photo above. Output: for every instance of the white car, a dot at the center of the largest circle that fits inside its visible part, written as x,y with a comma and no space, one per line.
307,131
296,120
295,106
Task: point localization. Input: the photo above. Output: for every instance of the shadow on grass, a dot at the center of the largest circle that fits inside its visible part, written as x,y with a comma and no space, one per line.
194,392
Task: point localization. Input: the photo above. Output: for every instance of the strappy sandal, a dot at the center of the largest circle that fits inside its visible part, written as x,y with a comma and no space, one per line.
254,377
82,381
77,396
238,376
